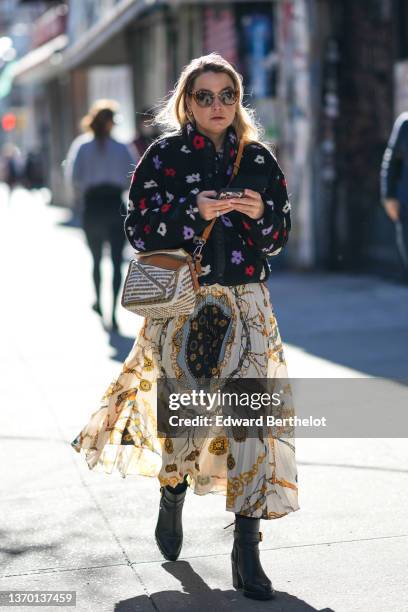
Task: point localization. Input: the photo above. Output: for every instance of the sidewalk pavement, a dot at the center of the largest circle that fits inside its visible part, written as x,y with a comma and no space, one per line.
66,527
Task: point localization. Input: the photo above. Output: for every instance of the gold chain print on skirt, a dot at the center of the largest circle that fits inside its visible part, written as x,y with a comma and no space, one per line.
232,333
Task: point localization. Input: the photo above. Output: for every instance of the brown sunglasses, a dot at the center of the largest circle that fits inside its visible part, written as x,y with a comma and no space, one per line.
205,97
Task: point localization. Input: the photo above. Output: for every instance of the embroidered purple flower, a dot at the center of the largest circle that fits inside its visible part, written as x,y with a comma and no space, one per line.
188,232
156,162
267,230
156,197
226,221
237,257
139,243
229,170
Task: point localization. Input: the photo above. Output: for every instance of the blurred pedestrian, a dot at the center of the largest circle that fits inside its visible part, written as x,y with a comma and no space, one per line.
33,175
232,333
146,133
99,167
394,183
12,165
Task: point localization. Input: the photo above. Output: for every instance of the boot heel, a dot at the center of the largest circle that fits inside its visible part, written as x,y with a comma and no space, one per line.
236,578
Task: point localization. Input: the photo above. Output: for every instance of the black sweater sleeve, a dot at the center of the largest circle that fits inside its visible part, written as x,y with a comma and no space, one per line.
393,157
156,219
270,233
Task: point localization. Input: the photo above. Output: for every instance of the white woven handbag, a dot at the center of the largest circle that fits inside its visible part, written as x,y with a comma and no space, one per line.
163,283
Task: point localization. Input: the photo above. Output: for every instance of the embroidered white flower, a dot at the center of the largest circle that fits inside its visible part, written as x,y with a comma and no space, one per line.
205,270
267,230
259,159
131,206
163,144
287,207
260,221
193,178
130,230
185,149
150,184
195,191
169,196
190,211
162,229
270,203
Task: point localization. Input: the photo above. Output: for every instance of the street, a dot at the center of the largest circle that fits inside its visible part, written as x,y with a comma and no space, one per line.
67,528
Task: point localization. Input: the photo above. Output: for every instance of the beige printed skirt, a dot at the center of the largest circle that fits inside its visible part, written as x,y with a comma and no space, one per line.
232,333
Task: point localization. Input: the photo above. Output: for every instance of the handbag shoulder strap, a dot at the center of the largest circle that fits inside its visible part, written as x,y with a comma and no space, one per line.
237,164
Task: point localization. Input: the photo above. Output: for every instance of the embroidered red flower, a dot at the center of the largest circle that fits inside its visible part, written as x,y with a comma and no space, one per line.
147,229
169,172
283,181
249,270
275,235
142,203
246,225
198,142
232,153
165,207
250,242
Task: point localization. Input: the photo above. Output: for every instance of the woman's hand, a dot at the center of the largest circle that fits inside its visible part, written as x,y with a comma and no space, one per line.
208,206
392,208
251,204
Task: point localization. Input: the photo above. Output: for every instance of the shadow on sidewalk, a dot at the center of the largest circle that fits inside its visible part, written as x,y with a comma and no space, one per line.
196,596
121,344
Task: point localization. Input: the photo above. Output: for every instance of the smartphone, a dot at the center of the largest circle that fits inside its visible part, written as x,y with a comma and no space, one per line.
230,192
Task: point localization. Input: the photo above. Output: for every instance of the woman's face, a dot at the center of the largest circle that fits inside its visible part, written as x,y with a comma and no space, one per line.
216,118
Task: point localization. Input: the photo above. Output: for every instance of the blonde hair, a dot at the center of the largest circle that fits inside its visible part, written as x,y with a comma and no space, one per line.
172,113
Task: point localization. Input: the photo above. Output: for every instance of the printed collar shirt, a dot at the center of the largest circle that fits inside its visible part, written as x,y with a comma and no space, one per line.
162,208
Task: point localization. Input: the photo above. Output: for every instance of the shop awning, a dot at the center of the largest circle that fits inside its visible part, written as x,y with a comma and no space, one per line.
92,47
41,64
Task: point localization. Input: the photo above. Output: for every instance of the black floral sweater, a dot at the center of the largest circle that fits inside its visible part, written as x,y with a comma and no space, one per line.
163,213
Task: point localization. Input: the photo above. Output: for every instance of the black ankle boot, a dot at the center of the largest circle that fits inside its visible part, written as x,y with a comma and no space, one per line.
169,528
247,572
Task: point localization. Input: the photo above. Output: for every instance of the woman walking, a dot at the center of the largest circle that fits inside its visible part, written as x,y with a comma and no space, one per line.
232,333
99,168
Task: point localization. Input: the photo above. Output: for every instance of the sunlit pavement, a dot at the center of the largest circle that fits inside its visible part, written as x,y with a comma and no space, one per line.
65,527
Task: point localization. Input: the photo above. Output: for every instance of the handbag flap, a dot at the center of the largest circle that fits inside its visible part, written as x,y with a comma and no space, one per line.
168,262
164,259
